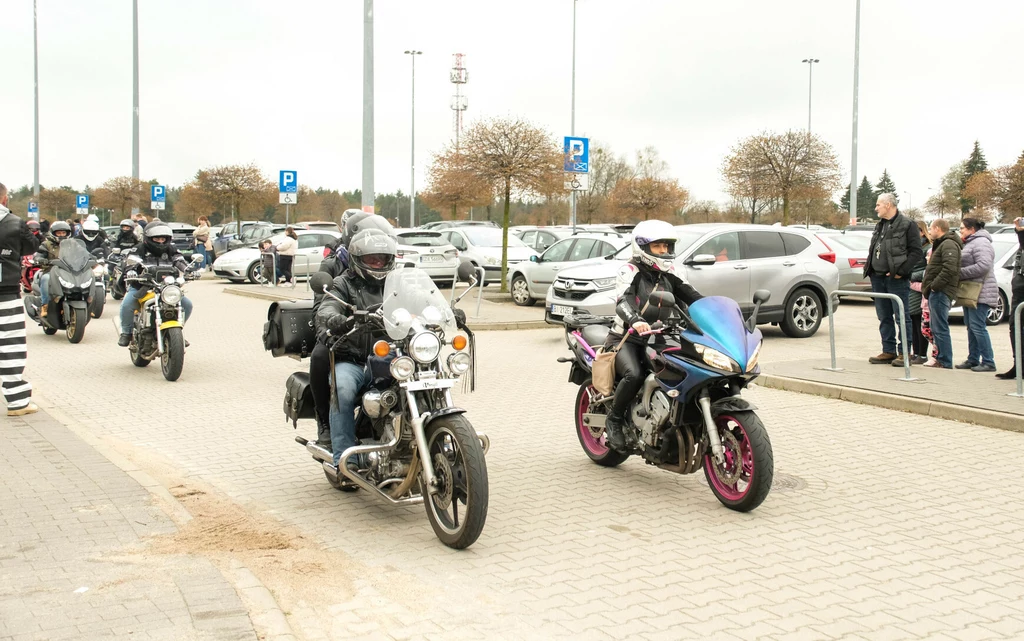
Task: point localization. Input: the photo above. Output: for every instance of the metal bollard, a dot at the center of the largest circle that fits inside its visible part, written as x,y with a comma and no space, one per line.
1016,351
903,330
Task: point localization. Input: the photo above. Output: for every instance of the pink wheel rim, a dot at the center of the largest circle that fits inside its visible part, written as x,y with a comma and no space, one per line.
743,456
593,445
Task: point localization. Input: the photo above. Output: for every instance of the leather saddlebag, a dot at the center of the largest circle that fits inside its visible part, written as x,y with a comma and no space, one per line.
289,328
298,398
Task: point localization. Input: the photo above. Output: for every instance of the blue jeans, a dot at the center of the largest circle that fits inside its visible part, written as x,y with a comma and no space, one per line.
131,302
349,380
44,288
938,308
201,250
979,344
887,311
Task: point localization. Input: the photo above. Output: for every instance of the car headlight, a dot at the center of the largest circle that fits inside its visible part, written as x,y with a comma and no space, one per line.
459,363
752,362
605,283
425,347
717,359
402,368
171,295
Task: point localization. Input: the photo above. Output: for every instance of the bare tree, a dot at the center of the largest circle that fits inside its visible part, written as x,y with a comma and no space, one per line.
648,193
511,155
748,180
123,193
606,171
452,184
235,187
702,211
791,165
57,202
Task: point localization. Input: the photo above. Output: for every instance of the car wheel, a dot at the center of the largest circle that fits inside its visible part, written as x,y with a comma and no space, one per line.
521,292
998,314
802,314
254,272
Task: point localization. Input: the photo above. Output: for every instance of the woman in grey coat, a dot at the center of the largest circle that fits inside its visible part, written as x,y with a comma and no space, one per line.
976,265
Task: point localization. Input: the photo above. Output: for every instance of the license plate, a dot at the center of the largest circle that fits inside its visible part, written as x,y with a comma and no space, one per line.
431,259
561,310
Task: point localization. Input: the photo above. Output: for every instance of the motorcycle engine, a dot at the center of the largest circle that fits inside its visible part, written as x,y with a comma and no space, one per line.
382,467
657,414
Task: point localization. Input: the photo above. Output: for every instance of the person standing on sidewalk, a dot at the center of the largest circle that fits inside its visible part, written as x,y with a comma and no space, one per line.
286,255
941,280
919,344
15,241
894,252
976,265
1017,290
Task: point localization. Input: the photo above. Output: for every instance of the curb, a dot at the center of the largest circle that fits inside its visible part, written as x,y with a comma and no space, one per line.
266,614
947,411
481,326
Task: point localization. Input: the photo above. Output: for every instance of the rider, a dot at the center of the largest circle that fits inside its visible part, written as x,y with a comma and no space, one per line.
126,236
156,250
33,226
47,254
362,286
94,237
650,268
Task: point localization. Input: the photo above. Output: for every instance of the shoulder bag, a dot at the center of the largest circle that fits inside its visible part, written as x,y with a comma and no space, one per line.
602,372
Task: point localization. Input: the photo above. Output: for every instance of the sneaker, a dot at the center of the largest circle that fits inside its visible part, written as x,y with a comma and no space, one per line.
937,365
1008,375
918,360
967,365
983,368
882,359
31,408
124,340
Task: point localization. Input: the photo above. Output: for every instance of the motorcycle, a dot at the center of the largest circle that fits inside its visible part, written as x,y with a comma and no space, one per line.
159,320
689,414
71,286
28,272
114,270
101,275
415,445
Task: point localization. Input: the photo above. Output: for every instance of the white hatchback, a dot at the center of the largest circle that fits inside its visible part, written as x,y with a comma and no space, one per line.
245,263
430,251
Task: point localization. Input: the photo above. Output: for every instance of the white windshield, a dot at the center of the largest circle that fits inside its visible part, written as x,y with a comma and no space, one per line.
412,301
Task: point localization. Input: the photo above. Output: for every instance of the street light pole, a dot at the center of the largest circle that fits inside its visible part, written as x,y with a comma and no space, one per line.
572,122
810,79
368,197
412,165
856,76
35,52
135,91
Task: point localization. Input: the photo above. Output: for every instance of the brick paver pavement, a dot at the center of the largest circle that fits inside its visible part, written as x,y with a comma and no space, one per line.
72,526
881,525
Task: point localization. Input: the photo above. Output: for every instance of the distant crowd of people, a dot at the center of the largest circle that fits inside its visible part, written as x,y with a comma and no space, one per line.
931,269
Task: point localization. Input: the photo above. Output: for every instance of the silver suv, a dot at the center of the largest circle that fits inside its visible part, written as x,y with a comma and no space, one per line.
722,260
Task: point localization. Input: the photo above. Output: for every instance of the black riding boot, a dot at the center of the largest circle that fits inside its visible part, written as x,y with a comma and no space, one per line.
614,437
323,432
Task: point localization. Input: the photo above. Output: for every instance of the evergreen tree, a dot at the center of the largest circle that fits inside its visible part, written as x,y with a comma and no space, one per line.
886,186
976,164
844,202
865,200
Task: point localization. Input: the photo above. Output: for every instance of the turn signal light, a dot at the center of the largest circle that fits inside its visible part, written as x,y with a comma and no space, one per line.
381,349
459,342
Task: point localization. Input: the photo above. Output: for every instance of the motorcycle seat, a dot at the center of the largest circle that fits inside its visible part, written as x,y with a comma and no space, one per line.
595,335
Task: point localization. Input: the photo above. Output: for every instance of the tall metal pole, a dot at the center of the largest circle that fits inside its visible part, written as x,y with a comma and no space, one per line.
368,196
856,80
412,165
572,122
135,90
35,51
810,84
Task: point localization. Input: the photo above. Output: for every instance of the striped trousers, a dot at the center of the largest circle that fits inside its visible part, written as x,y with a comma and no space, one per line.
13,350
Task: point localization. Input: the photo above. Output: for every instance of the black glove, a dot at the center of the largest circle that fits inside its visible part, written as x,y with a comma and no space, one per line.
460,316
339,324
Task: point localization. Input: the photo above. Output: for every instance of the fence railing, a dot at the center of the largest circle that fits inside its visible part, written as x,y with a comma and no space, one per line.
904,336
1016,351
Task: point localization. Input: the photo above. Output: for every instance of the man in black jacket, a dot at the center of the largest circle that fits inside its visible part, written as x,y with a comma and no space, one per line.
894,252
372,256
15,241
156,250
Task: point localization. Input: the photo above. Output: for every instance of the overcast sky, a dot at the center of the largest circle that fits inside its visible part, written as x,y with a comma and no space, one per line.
280,83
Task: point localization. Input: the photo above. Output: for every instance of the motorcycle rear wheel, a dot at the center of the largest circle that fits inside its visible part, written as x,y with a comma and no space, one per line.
593,444
454,450
173,359
77,321
742,483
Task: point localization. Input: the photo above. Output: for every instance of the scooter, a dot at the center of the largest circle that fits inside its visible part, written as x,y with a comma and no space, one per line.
70,288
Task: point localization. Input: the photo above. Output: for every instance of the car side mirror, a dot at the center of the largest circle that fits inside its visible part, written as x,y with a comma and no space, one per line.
762,296
534,259
320,281
702,259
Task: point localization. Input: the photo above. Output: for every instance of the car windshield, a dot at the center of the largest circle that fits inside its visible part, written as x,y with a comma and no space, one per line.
422,239
850,241
489,237
412,301
74,254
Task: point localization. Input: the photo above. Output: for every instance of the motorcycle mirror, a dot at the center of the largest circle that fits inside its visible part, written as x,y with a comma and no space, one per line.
466,271
320,281
761,296
196,258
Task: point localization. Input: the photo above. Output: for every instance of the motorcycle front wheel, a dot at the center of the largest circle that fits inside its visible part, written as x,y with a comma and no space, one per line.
592,439
743,480
173,359
77,320
458,510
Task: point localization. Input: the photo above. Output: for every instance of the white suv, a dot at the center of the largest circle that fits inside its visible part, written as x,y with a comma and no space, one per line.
482,246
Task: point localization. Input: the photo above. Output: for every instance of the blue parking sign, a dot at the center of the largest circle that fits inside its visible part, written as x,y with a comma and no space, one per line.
158,193
288,182
82,201
33,208
577,155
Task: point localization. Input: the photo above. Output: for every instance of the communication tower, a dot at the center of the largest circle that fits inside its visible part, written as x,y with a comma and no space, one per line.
458,76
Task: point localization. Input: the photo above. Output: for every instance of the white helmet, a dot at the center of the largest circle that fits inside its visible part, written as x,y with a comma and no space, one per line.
90,228
648,232
93,218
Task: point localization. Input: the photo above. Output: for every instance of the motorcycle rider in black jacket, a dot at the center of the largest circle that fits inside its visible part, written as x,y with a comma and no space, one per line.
156,250
126,237
653,252
372,256
94,238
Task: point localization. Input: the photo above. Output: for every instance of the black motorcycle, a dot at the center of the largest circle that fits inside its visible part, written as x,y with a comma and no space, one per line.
70,288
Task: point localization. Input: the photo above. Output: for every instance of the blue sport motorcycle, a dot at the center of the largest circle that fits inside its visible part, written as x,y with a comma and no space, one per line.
689,414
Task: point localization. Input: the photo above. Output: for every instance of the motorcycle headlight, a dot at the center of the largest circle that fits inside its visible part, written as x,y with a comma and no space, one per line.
171,295
752,362
99,270
402,368
459,363
717,359
65,283
425,347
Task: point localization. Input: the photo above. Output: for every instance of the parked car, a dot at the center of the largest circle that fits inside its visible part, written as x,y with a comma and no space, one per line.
244,263
1006,250
530,280
430,251
867,228
482,246
451,224
111,231
724,260
540,238
183,239
322,225
851,257
222,239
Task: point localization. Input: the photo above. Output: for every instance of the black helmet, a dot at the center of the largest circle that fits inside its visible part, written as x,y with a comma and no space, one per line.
60,225
155,232
372,254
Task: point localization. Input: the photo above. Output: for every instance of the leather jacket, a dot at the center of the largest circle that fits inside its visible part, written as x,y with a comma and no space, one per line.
631,303
361,294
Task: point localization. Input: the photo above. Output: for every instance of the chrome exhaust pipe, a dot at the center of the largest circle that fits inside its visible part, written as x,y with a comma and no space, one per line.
326,458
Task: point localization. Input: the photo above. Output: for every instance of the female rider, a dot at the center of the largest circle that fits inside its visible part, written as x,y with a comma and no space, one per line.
654,246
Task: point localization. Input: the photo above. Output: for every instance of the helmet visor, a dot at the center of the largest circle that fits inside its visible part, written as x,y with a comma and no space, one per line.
376,261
